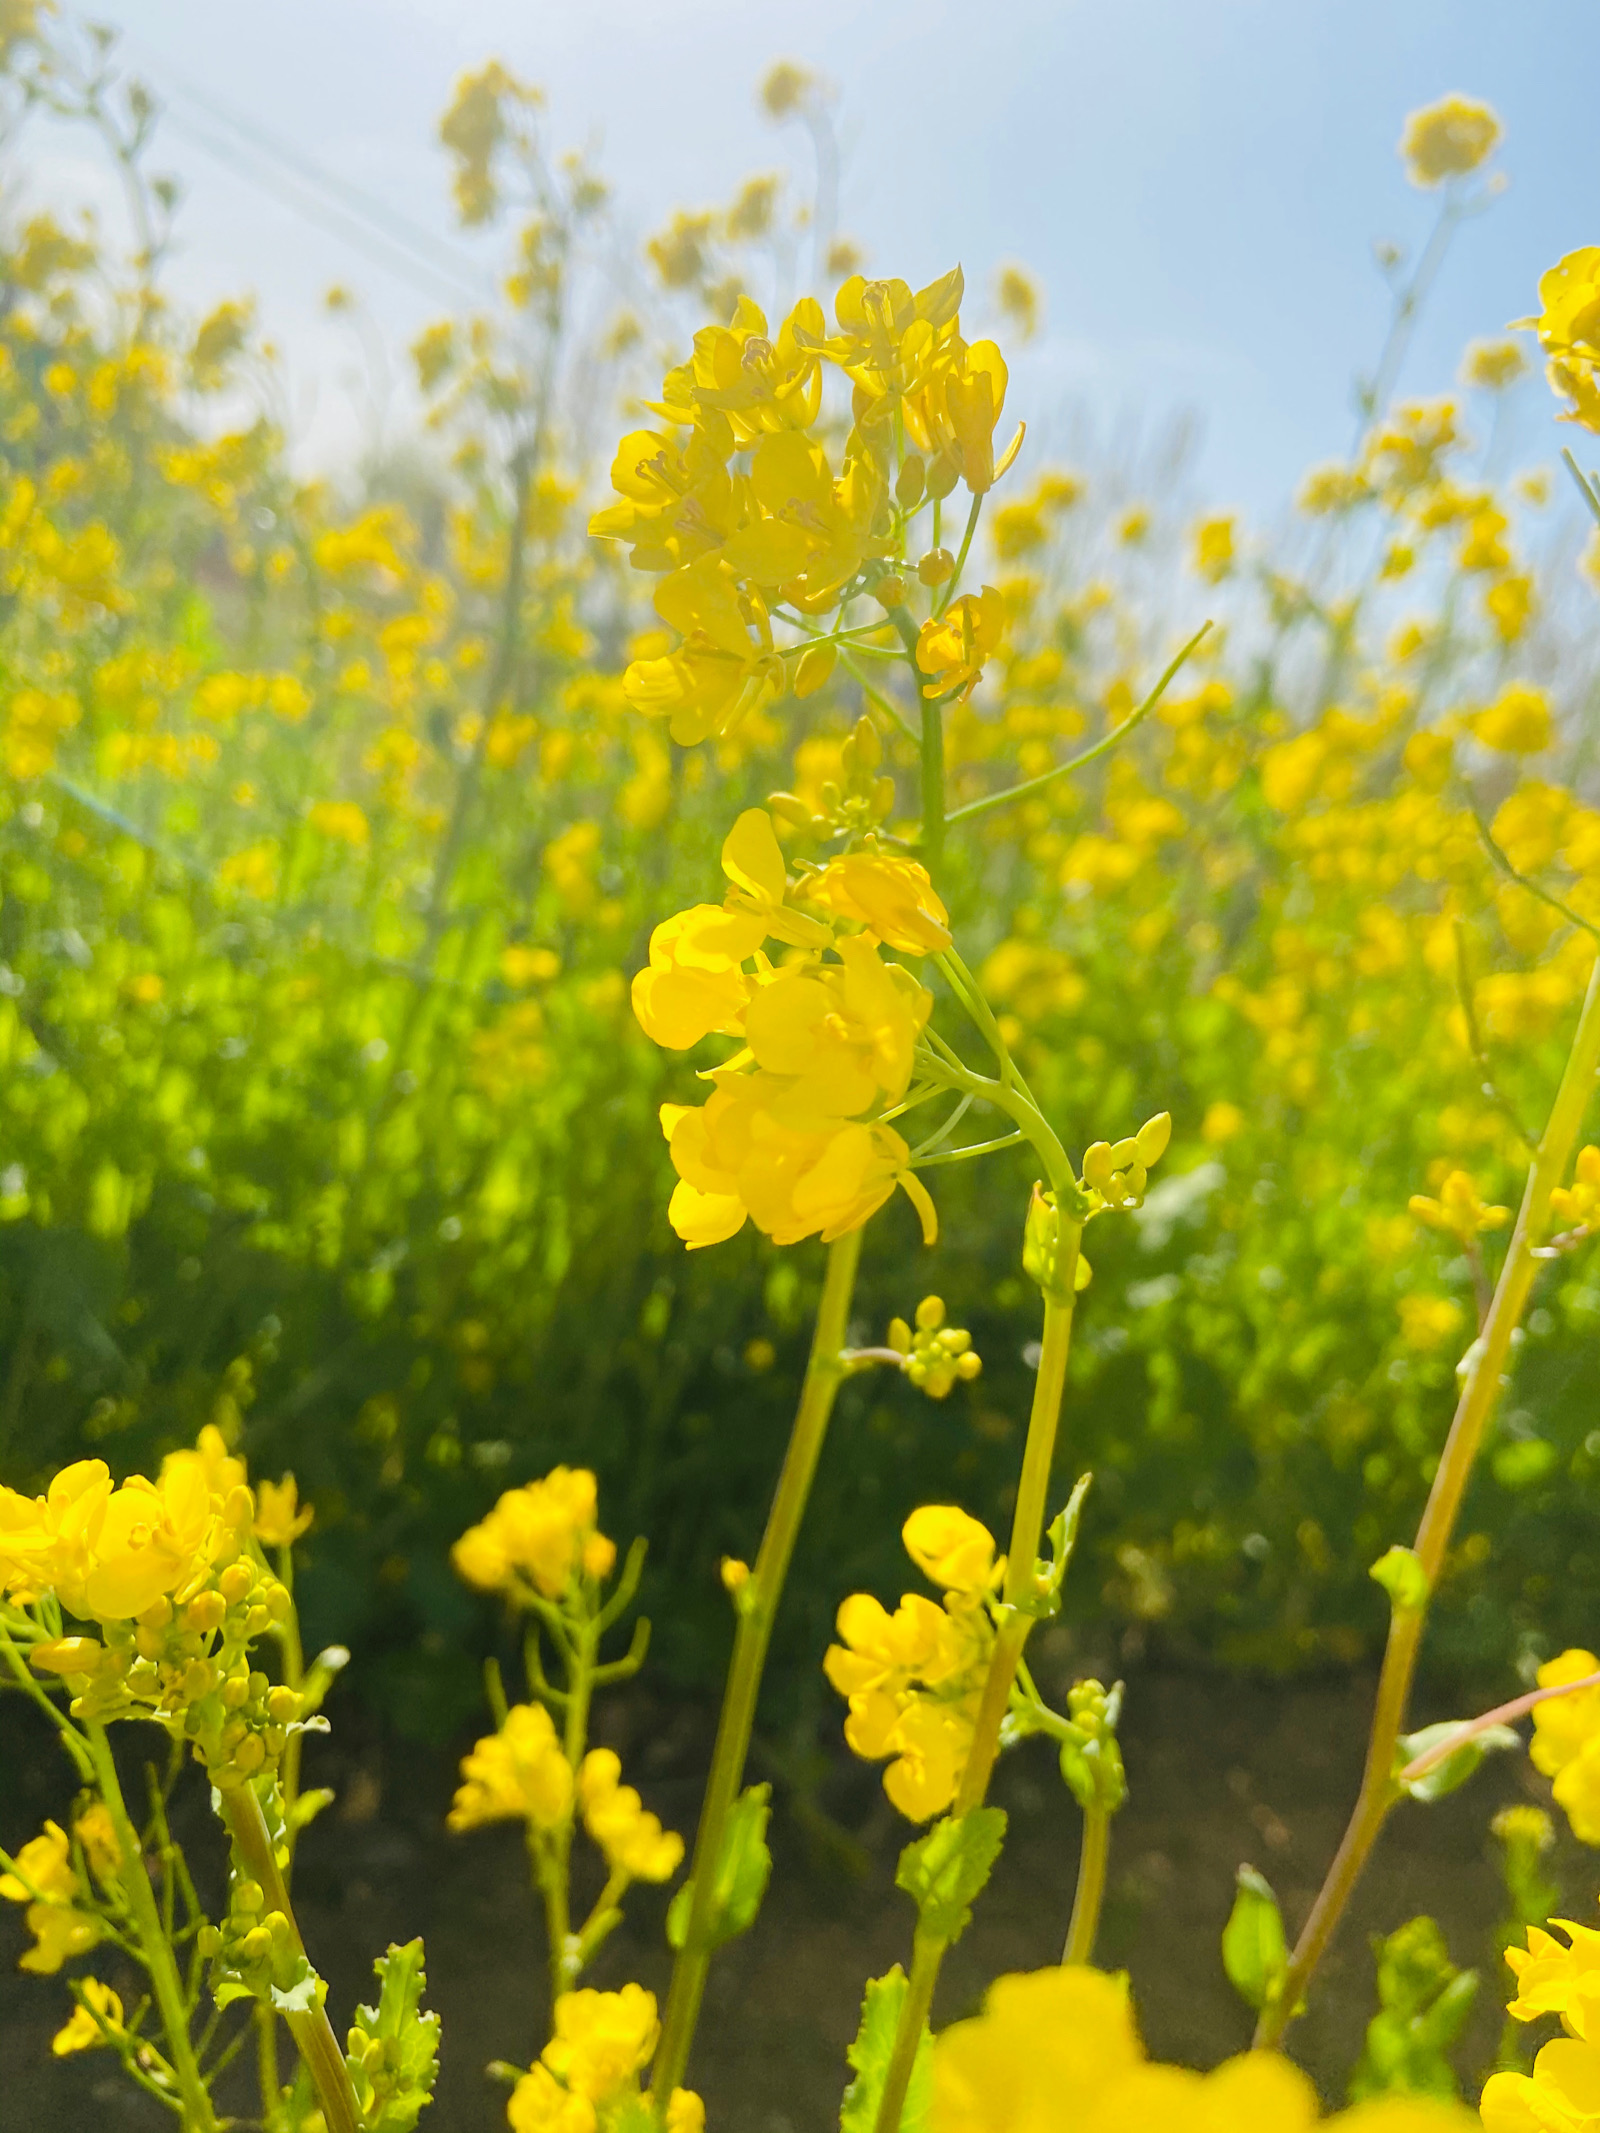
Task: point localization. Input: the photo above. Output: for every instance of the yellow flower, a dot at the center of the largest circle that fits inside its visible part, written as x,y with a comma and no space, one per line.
694,983
97,1833
541,1535
949,1548
1058,2048
1518,722
1448,139
602,2040
1577,1206
720,674
279,1519
519,1772
1458,1209
1493,365
893,897
1213,548
1553,1979
1426,1321
632,1838
1566,1742
841,1037
1568,326
82,2033
341,822
953,650
47,1882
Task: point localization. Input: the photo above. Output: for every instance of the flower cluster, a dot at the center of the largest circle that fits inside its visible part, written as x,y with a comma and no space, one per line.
1553,1978
519,1772
1566,1741
538,1540
736,504
587,2077
792,1135
935,1357
912,1679
171,1574
1458,1209
1070,2032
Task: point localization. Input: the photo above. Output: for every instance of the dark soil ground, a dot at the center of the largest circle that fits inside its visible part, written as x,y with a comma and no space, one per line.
1220,1771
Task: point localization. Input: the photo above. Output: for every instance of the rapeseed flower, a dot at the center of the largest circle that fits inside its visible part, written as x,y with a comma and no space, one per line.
1459,1209
537,1539
632,1839
1553,1978
518,1773
589,2071
83,2032
1448,139
46,1880
1568,326
1577,1206
1566,1743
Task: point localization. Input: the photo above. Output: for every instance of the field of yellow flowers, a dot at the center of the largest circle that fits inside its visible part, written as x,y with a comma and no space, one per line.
379,865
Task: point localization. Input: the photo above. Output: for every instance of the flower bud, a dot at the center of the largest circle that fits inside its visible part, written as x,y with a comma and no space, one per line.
236,1583
899,1336
937,567
889,591
1098,1165
816,664
868,745
1152,1138
283,1704
68,1655
206,1610
599,1556
249,1755
930,1313
788,809
248,1898
943,474
256,1946
235,1692
910,482
209,1942
157,1615
239,1508
277,1600
1123,1153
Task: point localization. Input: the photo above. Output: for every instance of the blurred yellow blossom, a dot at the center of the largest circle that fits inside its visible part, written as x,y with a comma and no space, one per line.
1448,139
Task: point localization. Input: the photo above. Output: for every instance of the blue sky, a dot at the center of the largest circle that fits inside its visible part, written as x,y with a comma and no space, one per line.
1197,186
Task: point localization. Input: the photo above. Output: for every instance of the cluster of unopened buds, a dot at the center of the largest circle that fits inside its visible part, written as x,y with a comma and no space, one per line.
1115,1173
253,1946
934,1356
854,807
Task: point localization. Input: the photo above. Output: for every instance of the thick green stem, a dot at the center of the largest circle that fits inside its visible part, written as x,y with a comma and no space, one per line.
1479,1394
311,2029
932,847
1027,1532
824,1373
155,1950
1091,1886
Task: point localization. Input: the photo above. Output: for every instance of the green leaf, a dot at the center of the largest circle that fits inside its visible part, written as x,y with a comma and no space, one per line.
1455,1769
741,1879
394,2060
300,1997
309,1805
869,2057
944,1871
1399,1571
1255,1953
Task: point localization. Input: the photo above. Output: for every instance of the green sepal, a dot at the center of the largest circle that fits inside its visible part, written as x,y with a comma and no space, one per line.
1045,1600
742,1875
394,2082
944,1872
1454,1771
1255,1952
869,2057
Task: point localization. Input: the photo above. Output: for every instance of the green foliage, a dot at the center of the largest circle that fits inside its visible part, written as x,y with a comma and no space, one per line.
393,2052
869,2058
945,1871
1403,1578
1457,1767
1255,1953
1423,2004
742,1874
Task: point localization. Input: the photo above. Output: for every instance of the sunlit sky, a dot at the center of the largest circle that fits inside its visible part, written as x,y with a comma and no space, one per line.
1196,183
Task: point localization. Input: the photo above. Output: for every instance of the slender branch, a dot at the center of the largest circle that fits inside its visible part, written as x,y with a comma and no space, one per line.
1091,1889
962,1155
1590,490
1501,1715
948,589
1514,873
992,800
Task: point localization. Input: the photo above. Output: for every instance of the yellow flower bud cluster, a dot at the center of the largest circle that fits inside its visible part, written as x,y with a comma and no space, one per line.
1115,1173
736,504
863,801
1070,2032
913,1678
46,1880
538,1540
587,2077
1577,1206
1458,1209
255,1945
633,1841
790,1137
934,1355
1566,1742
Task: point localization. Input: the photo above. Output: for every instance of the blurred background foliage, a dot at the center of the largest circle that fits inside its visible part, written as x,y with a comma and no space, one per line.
328,845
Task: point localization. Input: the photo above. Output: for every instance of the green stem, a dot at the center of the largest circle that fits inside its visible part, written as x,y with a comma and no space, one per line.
824,1373
1379,1791
933,817
1107,741
311,2029
1027,1531
947,591
267,2059
1091,1886
155,1950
